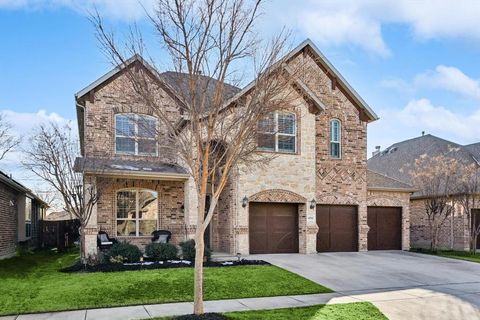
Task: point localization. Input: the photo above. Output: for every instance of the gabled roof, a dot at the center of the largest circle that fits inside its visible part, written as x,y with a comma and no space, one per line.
17,186
380,182
398,160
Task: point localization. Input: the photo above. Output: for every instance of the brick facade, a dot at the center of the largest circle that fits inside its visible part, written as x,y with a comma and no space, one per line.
309,174
8,221
454,233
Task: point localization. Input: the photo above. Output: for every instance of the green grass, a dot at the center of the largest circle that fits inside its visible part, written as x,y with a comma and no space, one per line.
462,255
349,311
32,283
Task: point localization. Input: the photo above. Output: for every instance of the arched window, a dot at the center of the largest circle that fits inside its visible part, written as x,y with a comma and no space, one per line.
278,132
335,139
137,212
135,134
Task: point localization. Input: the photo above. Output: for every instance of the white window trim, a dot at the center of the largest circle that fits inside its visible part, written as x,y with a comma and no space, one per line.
276,133
137,210
339,141
135,137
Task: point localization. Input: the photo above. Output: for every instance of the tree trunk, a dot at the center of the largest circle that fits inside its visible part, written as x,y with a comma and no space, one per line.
198,287
83,258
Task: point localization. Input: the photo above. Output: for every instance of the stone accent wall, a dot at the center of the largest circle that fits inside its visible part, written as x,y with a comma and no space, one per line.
170,202
222,234
277,195
8,222
293,174
117,96
394,199
454,233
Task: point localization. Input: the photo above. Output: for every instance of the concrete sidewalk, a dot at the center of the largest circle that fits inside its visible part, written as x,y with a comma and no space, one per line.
173,309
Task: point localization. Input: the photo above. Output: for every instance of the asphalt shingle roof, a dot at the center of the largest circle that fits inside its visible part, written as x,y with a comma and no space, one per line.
379,181
398,160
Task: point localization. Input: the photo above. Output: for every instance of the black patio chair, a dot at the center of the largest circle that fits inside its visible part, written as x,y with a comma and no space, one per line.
161,236
104,241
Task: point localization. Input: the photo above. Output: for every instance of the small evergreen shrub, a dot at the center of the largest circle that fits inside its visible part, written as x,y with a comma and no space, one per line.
161,251
123,251
188,250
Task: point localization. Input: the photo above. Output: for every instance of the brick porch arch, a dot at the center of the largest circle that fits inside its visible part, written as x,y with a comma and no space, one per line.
277,195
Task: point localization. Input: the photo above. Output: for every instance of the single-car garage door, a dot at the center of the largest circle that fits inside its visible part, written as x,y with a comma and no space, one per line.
337,228
385,228
273,228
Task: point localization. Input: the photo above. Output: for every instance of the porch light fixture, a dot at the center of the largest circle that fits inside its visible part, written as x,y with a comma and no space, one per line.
312,204
244,202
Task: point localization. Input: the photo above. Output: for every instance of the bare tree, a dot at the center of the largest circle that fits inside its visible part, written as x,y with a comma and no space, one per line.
468,188
211,41
51,156
7,141
436,178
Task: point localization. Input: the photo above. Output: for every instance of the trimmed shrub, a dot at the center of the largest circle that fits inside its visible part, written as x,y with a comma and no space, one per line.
123,251
161,251
188,250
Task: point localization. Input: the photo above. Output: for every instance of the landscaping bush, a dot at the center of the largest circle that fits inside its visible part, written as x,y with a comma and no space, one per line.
188,250
123,252
161,251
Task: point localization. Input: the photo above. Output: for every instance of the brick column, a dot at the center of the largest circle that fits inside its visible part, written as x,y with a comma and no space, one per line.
91,229
363,227
190,207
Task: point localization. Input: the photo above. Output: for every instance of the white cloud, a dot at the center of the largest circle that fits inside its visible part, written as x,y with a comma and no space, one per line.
340,22
421,115
23,124
451,79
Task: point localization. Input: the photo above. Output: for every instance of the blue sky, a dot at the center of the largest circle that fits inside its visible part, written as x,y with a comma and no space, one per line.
416,63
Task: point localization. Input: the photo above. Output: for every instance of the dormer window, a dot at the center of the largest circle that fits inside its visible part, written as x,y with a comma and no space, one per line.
135,134
278,132
335,139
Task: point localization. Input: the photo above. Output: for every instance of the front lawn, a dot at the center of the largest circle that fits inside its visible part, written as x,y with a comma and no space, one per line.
462,255
349,311
32,283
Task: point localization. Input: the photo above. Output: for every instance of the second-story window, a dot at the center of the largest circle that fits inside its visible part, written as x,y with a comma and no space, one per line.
335,139
278,132
135,134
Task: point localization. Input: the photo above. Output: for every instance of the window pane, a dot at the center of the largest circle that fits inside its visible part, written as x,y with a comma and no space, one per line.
126,228
126,204
335,131
267,124
286,143
125,125
335,149
147,146
28,209
126,145
286,123
266,141
146,227
148,204
28,230
146,127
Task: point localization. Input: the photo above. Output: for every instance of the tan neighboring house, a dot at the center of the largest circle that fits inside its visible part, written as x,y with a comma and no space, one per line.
396,162
313,196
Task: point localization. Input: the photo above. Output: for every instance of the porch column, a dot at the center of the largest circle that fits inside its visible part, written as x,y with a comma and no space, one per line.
307,228
91,229
191,207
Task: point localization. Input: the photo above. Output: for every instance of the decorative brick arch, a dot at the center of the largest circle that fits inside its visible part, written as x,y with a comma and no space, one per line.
277,195
386,201
336,198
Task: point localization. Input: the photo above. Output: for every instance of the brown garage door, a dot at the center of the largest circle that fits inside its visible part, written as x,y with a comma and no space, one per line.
476,222
337,228
273,228
385,228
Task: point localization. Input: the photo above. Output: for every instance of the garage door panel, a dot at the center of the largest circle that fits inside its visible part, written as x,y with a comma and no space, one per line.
385,228
337,228
273,228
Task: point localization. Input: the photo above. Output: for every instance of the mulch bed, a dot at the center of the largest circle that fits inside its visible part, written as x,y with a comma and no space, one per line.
205,316
114,267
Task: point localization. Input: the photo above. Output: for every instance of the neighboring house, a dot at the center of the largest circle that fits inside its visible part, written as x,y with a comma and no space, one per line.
21,212
397,162
313,196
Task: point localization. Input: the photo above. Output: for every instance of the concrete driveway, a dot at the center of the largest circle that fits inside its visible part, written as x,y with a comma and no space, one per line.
402,285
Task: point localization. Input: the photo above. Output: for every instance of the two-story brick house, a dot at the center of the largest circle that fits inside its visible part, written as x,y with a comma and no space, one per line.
313,196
